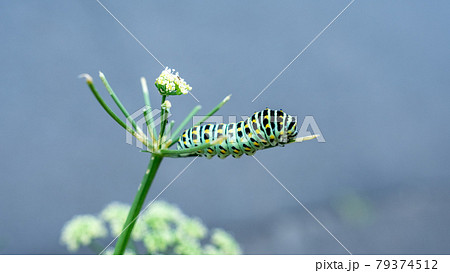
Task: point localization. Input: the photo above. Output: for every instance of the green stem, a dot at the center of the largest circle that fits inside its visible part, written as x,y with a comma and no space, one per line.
137,204
212,112
147,112
163,121
119,103
168,133
175,135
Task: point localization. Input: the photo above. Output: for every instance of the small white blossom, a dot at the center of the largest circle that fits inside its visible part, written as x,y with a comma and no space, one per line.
225,243
170,83
161,214
188,247
81,231
115,215
192,228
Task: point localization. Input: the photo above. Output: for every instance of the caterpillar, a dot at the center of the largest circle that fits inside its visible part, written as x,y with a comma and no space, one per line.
264,129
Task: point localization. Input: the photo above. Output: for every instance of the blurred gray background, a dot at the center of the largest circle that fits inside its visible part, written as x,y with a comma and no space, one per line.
377,83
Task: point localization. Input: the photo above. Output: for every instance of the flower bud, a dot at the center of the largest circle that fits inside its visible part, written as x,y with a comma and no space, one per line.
166,105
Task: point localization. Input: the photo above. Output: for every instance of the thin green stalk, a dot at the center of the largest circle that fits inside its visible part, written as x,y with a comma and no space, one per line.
147,112
301,139
175,135
110,112
168,132
137,204
119,103
163,121
212,112
297,140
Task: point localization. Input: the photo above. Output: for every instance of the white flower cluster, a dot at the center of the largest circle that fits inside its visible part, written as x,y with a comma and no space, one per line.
170,83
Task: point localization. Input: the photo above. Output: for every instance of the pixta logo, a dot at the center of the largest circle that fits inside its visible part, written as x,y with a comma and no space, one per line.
139,118
307,128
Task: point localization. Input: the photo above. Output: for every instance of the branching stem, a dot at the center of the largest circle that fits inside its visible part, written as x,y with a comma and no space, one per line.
136,207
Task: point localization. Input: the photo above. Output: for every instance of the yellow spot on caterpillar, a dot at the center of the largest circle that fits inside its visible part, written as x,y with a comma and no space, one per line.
206,140
223,151
281,133
266,117
207,131
219,131
256,144
236,151
239,129
247,149
249,134
268,126
184,135
254,120
210,151
195,140
246,125
258,131
272,137
185,143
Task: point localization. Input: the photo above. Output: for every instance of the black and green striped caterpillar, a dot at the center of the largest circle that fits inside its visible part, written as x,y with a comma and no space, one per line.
264,129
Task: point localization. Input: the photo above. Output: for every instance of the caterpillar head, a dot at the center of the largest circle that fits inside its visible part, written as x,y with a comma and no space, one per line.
291,128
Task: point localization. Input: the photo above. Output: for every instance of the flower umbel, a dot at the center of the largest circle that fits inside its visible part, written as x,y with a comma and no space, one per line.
170,83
